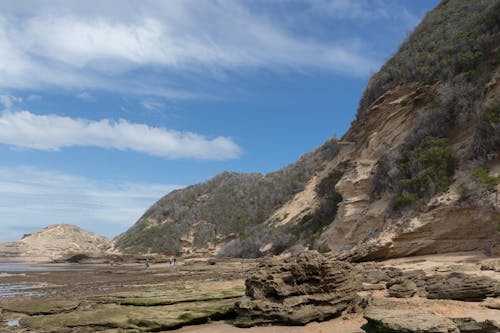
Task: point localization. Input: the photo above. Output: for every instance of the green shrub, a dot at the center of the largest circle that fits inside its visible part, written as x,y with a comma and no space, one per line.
426,170
323,248
453,42
487,137
485,180
312,225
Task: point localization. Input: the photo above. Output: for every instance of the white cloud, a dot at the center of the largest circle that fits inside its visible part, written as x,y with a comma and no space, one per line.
52,132
92,45
31,199
7,101
85,96
152,105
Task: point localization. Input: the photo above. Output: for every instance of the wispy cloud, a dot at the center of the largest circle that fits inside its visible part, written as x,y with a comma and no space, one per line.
91,46
7,101
24,129
31,199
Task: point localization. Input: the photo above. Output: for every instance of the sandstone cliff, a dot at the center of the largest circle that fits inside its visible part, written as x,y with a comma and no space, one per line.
54,243
418,172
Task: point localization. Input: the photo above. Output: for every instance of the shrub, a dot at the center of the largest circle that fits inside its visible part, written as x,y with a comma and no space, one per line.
425,171
485,180
453,41
487,137
311,225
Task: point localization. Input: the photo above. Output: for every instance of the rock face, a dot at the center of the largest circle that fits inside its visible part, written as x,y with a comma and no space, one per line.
469,325
300,290
461,287
423,92
204,216
54,243
403,321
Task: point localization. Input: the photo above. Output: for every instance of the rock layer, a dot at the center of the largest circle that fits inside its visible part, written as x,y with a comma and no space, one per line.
404,321
300,290
460,286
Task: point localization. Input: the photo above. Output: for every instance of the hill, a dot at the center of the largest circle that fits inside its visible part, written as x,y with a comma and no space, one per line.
417,172
53,243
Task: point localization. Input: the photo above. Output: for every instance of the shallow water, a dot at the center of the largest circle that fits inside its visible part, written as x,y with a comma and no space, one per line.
8,290
13,323
18,267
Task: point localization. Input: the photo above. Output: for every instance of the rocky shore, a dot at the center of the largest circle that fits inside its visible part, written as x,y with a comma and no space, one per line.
313,292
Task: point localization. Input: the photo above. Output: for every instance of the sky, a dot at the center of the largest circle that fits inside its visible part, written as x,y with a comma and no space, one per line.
106,106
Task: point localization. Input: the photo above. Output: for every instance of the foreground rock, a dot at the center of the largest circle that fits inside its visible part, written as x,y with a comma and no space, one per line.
469,325
461,287
307,288
388,321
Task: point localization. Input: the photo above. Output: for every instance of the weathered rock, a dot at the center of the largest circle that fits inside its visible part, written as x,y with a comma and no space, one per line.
405,321
407,284
392,272
300,290
373,286
405,289
469,325
461,287
491,265
374,276
492,303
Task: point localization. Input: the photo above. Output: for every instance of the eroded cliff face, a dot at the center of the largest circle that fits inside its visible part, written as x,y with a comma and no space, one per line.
55,242
416,173
365,228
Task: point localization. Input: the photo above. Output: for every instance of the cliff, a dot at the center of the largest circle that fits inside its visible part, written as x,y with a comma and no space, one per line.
418,172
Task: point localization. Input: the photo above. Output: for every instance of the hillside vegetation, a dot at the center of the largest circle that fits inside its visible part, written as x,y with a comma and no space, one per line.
229,205
419,159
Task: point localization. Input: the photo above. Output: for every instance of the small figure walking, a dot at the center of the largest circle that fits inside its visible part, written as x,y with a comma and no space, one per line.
147,263
174,261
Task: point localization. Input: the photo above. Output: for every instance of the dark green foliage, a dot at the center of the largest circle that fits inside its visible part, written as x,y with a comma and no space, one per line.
229,203
311,226
425,171
304,232
485,180
487,138
249,245
453,43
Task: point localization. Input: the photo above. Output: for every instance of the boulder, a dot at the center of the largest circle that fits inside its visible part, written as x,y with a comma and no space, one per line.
302,289
374,276
492,303
405,321
462,287
407,284
469,325
491,265
404,289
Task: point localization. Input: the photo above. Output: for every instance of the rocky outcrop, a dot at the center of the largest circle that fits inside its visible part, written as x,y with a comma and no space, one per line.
461,287
407,321
469,325
55,242
422,94
404,321
302,289
205,216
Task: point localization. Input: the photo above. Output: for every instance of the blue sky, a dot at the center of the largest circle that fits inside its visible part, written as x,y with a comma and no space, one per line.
107,105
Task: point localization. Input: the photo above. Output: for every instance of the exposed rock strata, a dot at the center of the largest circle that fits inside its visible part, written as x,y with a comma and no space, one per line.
300,290
460,286
55,242
392,321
